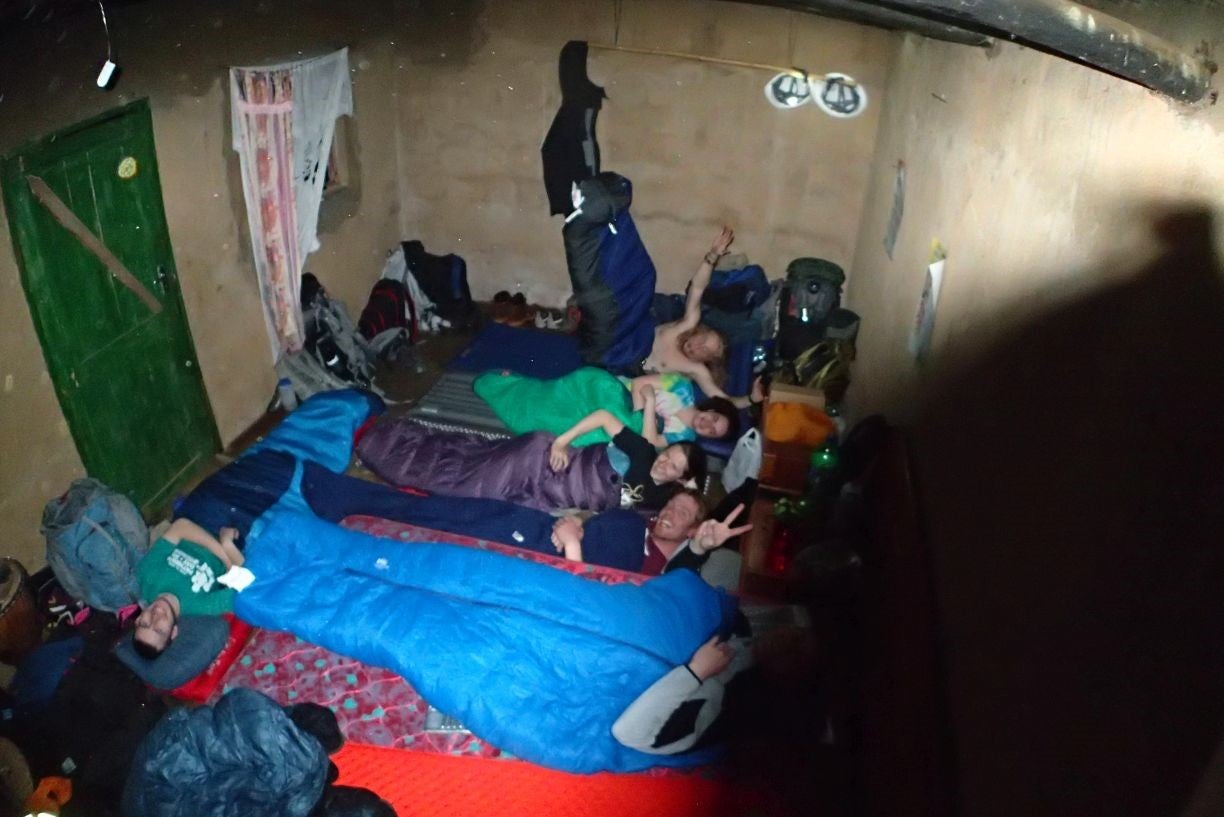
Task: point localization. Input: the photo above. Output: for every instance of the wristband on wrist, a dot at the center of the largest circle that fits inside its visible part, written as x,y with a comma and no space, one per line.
712,257
690,672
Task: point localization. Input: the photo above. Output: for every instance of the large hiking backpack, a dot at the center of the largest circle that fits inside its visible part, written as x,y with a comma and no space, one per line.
812,292
443,278
332,337
95,538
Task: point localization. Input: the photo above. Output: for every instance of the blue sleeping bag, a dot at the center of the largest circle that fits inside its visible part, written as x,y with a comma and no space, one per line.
534,660
612,276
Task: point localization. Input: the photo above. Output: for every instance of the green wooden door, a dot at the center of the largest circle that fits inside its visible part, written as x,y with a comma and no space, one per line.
127,378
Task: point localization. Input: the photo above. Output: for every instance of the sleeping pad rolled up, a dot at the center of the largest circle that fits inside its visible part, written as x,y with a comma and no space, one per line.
612,276
242,756
528,404
537,661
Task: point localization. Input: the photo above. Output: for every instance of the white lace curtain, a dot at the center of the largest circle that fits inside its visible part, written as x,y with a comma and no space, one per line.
284,120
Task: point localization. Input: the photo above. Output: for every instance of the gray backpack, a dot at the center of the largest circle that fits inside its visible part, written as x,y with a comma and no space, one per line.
95,538
335,355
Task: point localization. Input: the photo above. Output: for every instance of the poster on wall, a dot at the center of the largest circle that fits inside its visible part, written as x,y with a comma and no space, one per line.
924,317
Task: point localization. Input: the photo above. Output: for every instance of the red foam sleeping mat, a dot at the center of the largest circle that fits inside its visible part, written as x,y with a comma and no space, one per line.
418,783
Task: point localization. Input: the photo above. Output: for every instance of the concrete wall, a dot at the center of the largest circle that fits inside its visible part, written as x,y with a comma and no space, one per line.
452,102
1066,428
698,140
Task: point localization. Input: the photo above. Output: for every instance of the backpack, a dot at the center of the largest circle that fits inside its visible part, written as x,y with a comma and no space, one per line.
389,307
95,538
389,322
812,292
825,366
443,279
736,290
332,339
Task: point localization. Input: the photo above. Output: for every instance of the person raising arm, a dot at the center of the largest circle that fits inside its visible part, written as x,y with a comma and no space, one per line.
689,347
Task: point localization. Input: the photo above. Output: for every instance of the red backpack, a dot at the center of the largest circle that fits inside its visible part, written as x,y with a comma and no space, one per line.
389,307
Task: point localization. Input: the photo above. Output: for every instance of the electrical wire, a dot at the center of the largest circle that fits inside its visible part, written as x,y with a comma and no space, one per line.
106,28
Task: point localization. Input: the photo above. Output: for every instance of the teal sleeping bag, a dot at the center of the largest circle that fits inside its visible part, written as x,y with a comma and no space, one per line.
534,660
527,404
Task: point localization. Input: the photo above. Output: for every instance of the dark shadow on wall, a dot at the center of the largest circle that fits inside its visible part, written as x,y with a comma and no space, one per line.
1072,481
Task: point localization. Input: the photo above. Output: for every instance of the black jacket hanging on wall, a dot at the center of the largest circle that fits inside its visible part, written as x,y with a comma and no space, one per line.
570,151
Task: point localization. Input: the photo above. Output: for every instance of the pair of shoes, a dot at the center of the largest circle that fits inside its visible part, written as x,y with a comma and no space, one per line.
511,309
548,318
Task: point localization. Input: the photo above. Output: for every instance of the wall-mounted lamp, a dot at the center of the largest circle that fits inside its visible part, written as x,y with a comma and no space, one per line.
836,94
788,90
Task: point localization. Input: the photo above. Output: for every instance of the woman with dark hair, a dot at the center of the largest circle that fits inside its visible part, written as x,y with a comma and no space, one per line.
527,404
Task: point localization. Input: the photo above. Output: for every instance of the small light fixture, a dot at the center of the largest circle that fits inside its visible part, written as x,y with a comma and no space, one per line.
788,90
840,96
109,68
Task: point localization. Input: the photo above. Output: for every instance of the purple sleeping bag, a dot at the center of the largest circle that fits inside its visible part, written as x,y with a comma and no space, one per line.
407,454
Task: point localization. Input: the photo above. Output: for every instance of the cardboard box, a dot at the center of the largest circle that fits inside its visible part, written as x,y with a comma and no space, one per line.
784,466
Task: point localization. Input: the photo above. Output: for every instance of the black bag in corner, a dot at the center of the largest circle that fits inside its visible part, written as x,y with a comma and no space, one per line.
812,292
443,279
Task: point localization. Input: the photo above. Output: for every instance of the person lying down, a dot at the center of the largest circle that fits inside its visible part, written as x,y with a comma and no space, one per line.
536,470
616,538
183,574
527,404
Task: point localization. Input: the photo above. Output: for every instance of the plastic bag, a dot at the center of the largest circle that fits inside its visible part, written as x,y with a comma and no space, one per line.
745,462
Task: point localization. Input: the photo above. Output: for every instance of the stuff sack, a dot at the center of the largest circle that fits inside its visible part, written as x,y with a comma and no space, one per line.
332,338
95,538
245,755
812,292
443,279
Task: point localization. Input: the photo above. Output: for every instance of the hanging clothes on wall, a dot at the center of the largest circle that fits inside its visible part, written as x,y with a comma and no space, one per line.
284,119
570,152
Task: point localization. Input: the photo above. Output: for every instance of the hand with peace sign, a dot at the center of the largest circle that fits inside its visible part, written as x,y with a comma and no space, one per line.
712,533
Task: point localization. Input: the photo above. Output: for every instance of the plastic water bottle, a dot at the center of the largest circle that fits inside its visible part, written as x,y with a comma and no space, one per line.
288,397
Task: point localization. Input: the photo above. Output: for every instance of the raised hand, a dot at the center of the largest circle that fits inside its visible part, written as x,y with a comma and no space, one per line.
723,243
712,533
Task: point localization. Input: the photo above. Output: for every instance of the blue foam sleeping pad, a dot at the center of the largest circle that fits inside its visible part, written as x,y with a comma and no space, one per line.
536,661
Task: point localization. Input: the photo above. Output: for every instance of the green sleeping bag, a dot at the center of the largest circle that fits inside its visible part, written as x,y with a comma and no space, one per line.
527,404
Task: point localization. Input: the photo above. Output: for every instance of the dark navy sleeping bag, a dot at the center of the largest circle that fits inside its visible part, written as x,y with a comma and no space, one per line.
612,276
536,661
268,475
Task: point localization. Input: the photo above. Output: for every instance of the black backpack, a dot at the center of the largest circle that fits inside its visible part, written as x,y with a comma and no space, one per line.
443,279
812,293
